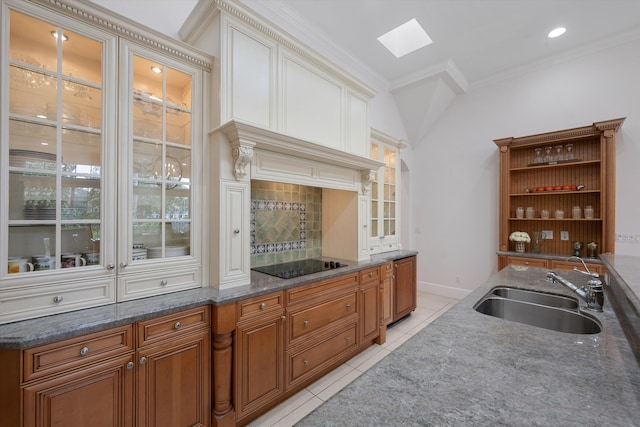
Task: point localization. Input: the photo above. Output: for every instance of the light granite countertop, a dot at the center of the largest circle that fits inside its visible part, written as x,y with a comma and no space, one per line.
42,330
471,369
626,270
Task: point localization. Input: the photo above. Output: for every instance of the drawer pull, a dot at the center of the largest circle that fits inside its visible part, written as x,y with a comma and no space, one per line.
111,266
526,263
130,365
263,306
176,325
58,298
371,274
348,339
284,318
348,307
305,323
305,363
164,282
123,265
84,351
143,360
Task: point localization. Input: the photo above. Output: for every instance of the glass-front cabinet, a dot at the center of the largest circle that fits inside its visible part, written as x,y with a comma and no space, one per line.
385,209
97,166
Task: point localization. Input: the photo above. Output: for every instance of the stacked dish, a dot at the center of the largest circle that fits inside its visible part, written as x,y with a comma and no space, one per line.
138,253
26,158
170,251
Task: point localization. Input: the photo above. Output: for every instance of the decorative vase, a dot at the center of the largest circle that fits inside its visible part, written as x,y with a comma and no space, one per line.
519,246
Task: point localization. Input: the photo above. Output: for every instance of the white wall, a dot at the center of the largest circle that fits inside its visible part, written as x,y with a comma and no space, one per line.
455,175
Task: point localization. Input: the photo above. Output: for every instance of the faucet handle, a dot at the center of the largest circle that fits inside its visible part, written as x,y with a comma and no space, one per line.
588,273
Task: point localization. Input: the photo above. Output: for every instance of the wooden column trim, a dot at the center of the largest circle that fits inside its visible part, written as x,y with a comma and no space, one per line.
224,324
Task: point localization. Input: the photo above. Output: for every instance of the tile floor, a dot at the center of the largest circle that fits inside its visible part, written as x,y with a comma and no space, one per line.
295,408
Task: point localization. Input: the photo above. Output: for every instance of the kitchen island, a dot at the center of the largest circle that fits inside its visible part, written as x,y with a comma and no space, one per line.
468,368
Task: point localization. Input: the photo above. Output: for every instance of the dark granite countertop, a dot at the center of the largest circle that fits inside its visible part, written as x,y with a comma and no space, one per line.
470,369
28,333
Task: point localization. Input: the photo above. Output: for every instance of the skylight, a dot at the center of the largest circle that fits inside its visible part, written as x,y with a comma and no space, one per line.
405,38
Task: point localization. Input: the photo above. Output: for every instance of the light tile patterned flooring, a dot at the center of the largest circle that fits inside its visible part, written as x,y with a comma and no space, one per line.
295,408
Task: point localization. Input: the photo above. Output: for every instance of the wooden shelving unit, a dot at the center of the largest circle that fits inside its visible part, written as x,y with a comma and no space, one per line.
588,179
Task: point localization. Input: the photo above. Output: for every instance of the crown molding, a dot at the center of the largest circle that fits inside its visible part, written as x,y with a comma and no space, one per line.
381,137
97,16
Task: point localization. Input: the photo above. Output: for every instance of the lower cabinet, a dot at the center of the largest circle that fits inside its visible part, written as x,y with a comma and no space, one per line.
113,378
405,293
370,319
387,280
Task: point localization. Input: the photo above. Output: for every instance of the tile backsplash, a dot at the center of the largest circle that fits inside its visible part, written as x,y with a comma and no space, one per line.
286,222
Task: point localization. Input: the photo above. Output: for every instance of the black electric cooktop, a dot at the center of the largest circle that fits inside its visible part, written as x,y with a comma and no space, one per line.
288,270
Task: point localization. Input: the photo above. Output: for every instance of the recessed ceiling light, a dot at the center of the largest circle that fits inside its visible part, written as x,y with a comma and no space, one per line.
556,32
55,35
156,69
405,39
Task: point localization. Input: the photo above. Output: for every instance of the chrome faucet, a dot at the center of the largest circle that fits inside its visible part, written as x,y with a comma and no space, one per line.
592,293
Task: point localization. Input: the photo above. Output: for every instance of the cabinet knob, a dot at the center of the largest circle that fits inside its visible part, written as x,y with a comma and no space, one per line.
396,265
364,226
176,325
236,231
305,323
305,363
163,282
362,290
526,263
123,265
130,365
348,306
58,298
84,351
111,266
143,360
284,318
348,339
371,274
263,306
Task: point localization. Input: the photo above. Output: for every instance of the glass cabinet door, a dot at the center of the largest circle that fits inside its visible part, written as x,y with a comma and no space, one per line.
383,222
160,184
53,137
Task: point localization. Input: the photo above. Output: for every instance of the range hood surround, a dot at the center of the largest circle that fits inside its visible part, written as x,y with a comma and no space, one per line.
252,147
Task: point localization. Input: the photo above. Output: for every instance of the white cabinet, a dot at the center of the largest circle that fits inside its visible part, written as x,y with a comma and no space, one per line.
99,155
385,203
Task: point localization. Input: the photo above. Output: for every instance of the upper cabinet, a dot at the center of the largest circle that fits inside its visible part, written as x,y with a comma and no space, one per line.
385,200
271,81
100,160
560,185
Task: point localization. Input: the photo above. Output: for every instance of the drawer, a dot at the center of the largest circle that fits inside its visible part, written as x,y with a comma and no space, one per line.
316,317
304,363
138,286
255,307
76,352
172,325
528,262
25,303
370,275
322,289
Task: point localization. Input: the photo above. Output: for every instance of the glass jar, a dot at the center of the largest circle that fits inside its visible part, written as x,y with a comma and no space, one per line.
588,212
519,212
576,212
530,212
559,214
544,213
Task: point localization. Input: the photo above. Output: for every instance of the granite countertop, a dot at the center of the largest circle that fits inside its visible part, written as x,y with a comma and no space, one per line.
468,369
42,330
546,256
626,271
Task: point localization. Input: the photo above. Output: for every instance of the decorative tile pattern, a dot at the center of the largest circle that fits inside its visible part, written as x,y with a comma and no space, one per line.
274,223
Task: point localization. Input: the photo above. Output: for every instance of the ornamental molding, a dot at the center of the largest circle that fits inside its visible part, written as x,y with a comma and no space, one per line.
112,22
367,178
597,128
242,152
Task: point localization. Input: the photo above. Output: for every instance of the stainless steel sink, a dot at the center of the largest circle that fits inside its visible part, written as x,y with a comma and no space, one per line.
536,297
535,314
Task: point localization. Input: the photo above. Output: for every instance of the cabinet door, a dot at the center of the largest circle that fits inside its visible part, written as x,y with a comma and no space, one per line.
388,278
259,363
58,179
405,291
99,396
174,381
161,159
370,311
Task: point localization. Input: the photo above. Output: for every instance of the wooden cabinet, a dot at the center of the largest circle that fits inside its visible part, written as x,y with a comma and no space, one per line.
551,264
405,293
104,130
548,175
110,378
387,286
527,262
369,304
259,355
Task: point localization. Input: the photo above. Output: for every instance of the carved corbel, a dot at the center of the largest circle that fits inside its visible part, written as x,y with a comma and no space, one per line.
367,178
242,154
